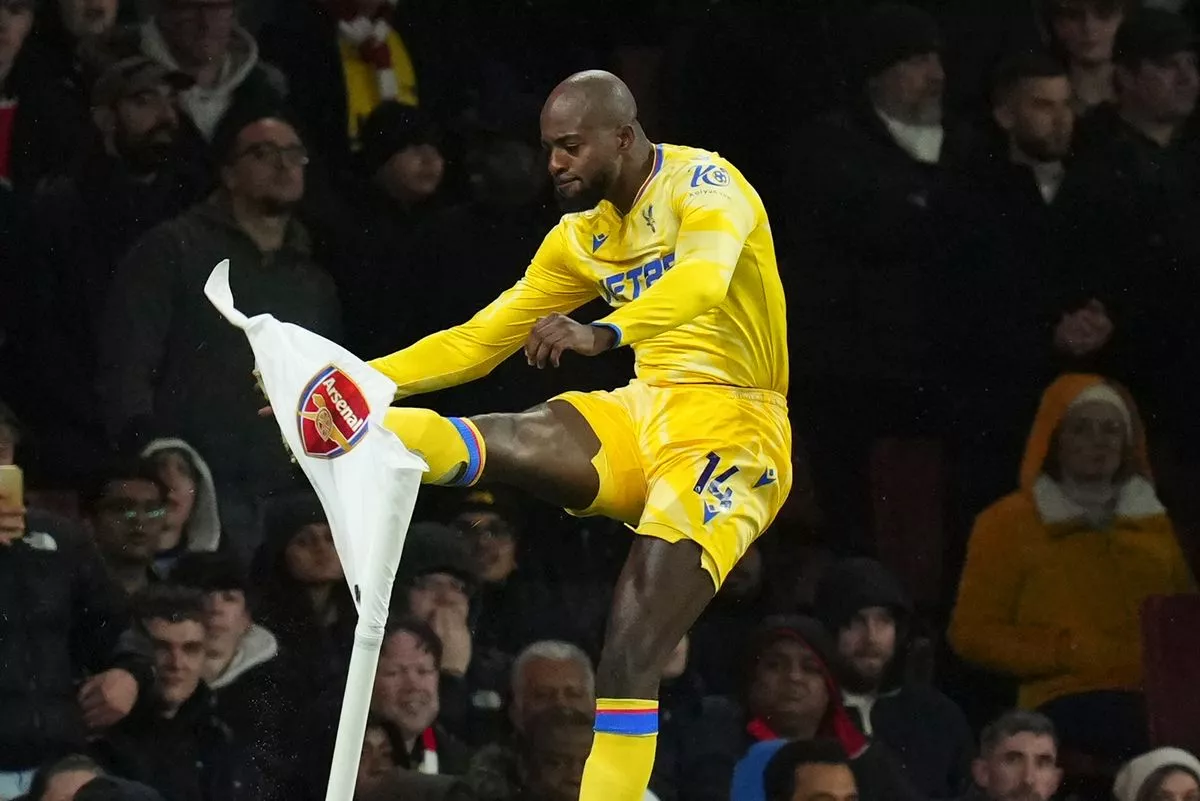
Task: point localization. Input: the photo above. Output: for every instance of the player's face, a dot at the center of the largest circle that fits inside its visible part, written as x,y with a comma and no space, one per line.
583,160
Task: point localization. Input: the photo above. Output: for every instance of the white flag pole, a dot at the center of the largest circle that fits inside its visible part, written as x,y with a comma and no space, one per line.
330,407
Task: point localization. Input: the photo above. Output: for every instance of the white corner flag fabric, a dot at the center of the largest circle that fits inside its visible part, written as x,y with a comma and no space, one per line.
329,406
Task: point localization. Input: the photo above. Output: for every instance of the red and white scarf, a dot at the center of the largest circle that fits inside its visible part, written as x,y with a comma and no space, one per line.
369,36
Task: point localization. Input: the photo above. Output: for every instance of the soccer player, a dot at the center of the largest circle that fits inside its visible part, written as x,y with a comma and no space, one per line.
694,454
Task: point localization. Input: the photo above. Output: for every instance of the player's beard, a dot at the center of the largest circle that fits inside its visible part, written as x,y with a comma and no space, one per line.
148,153
587,198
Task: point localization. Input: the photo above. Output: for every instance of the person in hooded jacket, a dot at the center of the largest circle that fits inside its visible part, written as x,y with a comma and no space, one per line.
1164,774
193,522
1056,572
790,694
871,618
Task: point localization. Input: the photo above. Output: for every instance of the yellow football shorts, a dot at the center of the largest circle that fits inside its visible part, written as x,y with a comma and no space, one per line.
705,463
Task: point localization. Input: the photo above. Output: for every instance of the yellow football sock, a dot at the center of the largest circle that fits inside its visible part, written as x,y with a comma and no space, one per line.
451,446
618,768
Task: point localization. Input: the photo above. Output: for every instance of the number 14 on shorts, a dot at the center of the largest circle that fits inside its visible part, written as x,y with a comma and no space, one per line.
716,495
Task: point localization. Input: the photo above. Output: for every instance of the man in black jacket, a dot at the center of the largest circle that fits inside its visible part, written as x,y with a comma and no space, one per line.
864,608
170,365
68,670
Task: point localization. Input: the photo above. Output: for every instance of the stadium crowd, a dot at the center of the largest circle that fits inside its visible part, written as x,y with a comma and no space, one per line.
987,215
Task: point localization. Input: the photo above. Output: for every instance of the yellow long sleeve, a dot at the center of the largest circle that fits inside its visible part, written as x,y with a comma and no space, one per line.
473,349
713,227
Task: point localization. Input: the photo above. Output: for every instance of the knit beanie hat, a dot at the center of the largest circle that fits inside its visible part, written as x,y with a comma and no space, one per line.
892,32
1135,773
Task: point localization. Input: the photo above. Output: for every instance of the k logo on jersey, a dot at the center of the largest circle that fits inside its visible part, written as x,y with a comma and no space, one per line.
710,174
332,414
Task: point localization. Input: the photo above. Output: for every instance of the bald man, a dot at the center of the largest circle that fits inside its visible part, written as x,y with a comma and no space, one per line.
695,453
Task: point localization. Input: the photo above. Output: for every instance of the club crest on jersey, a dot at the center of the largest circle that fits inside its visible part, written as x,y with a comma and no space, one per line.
648,217
332,415
711,175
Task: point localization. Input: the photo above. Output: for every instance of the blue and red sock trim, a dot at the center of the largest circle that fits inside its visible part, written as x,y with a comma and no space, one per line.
627,722
474,443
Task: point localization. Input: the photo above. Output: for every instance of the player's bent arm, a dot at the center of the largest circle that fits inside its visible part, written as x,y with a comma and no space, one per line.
473,349
713,228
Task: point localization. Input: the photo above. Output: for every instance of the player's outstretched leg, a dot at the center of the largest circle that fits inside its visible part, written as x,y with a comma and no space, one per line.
659,596
546,451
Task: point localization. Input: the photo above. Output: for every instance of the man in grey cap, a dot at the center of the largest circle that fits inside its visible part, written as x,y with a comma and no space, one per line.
135,177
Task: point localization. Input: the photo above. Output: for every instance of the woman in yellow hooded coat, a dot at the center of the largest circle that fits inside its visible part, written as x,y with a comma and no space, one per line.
1056,572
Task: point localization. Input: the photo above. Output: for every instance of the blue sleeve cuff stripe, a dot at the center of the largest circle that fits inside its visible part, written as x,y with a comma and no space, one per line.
474,459
634,723
616,329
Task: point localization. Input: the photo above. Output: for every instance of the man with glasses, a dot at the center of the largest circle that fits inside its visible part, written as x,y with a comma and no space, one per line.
68,671
126,511
169,366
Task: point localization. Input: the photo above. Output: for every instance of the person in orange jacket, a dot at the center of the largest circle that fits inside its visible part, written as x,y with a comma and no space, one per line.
1056,572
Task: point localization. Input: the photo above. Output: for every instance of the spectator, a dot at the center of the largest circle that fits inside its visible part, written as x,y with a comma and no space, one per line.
401,171
1165,774
39,126
242,664
1015,288
871,617
126,509
202,39
1082,32
378,754
550,674
155,378
553,751
723,633
790,694
1131,202
350,56
61,780
1056,573
181,749
72,35
1018,757
84,221
807,771
871,191
192,523
680,710
60,619
304,599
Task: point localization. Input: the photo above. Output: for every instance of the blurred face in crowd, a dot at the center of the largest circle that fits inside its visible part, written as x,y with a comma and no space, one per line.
1091,442
128,522
266,170
176,471
142,128
63,786
414,173
552,767
816,782
1023,767
227,621
310,556
198,32
377,758
1175,785
88,17
584,155
545,684
16,18
1038,118
1161,90
911,89
1086,29
406,685
868,644
434,591
178,659
505,172
493,544
788,688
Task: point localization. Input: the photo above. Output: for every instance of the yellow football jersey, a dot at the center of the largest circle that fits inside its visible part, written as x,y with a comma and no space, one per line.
690,270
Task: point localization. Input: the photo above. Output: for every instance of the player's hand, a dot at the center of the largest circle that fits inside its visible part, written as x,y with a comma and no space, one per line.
555,334
107,698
